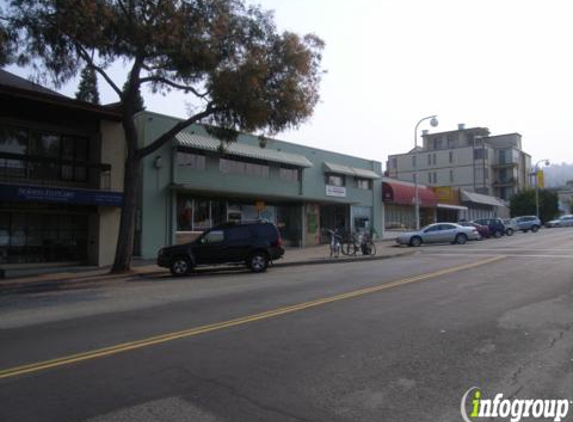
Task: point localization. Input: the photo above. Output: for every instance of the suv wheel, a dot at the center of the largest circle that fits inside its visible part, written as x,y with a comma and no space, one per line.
258,262
509,232
534,229
497,234
180,266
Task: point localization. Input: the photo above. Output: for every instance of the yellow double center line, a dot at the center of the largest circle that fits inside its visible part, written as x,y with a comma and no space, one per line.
150,341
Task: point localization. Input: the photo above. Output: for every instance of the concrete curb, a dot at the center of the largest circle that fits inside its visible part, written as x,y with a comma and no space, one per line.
16,287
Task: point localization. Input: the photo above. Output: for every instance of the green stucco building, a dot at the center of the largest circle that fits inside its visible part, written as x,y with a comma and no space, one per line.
193,183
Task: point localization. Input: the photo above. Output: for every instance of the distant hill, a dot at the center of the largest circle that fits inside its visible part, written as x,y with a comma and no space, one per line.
557,175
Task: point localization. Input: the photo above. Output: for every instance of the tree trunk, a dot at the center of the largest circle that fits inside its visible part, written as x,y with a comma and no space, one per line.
126,233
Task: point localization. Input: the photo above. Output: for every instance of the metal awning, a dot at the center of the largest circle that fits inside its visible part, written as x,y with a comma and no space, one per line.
452,207
206,143
478,198
365,174
404,193
350,171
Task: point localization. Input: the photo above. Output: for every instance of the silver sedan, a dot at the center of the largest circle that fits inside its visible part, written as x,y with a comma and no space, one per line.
439,233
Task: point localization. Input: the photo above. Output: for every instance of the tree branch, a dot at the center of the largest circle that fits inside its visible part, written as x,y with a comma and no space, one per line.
86,56
167,136
159,79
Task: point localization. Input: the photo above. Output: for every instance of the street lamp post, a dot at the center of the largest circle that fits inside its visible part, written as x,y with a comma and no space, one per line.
536,169
434,122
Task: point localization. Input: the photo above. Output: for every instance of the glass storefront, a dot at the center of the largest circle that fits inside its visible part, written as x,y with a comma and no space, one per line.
362,219
28,237
199,214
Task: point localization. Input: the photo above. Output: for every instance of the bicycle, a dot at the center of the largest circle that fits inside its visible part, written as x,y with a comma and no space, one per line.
355,242
335,244
368,246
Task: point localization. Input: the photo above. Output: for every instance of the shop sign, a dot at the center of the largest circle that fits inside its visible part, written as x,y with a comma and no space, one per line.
18,193
337,191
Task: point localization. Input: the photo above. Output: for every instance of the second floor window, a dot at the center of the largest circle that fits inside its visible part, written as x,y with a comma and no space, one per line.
335,180
47,155
190,160
480,154
289,174
363,184
243,167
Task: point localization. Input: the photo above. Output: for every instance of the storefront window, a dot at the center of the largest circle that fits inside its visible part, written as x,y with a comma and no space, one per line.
33,237
362,219
201,215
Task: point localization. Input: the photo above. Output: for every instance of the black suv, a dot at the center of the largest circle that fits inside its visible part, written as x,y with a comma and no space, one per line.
496,226
252,244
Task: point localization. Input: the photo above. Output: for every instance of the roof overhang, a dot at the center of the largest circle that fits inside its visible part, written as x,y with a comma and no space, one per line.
452,207
350,171
101,112
478,198
229,195
205,143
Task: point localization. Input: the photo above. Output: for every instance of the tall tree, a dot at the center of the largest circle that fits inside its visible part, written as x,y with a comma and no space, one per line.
87,89
242,73
523,203
139,103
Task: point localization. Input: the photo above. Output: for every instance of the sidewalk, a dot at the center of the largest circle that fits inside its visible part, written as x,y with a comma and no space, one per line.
77,276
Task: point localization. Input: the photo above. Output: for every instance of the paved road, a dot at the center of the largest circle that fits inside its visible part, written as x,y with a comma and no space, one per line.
393,340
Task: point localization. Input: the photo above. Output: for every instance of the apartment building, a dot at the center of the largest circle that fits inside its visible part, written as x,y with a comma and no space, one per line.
467,158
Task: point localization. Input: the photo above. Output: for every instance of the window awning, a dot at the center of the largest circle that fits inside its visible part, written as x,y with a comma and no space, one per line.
478,198
206,143
350,171
403,193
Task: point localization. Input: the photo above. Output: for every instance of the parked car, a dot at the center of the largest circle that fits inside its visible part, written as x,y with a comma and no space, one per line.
483,231
495,225
563,221
439,233
510,226
528,222
252,244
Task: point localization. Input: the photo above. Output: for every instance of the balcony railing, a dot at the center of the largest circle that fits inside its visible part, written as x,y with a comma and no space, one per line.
47,171
505,182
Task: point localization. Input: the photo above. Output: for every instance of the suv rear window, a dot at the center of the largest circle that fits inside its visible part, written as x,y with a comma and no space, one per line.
266,231
237,233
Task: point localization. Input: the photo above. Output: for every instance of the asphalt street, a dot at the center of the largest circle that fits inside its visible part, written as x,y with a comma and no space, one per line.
394,340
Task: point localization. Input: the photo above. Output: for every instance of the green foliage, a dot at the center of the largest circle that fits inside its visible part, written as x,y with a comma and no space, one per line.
7,42
87,89
139,102
523,203
230,57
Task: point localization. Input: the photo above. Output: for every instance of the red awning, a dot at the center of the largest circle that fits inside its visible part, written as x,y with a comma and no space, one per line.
403,193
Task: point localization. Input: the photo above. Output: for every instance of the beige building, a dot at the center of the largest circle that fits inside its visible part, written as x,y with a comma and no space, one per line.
61,178
469,159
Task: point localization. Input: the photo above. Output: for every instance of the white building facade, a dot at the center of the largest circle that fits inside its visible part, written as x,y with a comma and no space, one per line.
468,159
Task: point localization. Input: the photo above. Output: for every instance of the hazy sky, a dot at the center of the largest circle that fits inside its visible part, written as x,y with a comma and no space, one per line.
503,64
